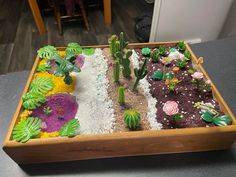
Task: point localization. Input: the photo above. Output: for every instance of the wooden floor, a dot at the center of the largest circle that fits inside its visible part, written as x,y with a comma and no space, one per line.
19,38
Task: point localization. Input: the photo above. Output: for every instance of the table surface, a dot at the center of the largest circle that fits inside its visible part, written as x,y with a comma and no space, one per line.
219,62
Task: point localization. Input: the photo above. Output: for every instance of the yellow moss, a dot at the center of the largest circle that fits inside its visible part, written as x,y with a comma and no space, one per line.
59,85
25,114
62,53
48,135
43,61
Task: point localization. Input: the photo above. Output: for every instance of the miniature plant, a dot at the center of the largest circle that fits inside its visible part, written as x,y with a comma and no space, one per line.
41,85
201,84
65,66
175,69
26,129
171,109
88,51
168,75
33,100
121,95
187,55
74,48
181,46
69,129
210,115
146,51
166,61
117,44
140,73
46,52
125,62
47,110
181,64
132,118
155,56
43,67
116,70
162,50
171,83
157,75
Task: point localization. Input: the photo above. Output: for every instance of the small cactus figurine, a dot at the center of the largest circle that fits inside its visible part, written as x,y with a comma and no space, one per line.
125,62
121,95
155,56
123,42
116,70
113,45
140,73
132,118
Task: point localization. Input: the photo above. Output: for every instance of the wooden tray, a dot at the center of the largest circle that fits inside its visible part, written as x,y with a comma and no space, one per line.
124,143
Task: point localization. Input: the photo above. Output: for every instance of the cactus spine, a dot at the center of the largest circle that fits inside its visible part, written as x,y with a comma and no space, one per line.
140,73
132,118
125,62
116,71
121,95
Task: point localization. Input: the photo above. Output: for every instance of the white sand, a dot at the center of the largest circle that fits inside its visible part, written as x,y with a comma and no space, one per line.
151,101
95,113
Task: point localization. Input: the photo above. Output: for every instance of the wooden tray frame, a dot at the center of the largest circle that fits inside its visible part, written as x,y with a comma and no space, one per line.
124,143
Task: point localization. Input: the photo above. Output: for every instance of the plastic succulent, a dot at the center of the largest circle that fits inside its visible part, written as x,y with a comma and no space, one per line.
181,46
145,51
157,75
26,129
33,100
46,51
43,67
41,85
88,51
69,129
155,56
132,118
181,64
162,50
74,48
187,55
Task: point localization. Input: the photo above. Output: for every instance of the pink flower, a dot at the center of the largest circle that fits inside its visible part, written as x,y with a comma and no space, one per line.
43,125
170,108
197,75
126,85
79,61
208,82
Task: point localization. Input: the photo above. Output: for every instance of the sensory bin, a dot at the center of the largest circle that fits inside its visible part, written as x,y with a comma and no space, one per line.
88,91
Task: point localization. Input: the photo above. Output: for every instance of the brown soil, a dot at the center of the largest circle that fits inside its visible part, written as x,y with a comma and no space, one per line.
134,100
186,95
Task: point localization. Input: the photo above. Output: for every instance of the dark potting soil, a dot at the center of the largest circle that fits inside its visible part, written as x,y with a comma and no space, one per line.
186,95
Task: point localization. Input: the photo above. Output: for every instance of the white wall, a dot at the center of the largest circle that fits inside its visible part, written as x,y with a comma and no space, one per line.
188,19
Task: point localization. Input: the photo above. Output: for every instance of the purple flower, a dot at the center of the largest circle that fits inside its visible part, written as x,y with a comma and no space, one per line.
79,61
64,108
53,66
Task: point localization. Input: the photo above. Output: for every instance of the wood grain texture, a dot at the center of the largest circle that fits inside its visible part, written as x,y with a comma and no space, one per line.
124,143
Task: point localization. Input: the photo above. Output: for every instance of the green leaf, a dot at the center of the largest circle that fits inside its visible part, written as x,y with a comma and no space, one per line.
69,129
181,64
181,46
43,68
41,85
222,120
207,116
26,129
46,51
88,51
32,100
73,47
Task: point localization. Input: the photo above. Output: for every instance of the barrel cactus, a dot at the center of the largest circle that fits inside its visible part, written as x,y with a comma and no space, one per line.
132,118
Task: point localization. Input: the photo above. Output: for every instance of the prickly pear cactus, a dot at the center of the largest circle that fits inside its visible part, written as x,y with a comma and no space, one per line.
132,118
125,62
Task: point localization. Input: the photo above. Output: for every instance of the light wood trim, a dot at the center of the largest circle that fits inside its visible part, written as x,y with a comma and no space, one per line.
37,16
107,12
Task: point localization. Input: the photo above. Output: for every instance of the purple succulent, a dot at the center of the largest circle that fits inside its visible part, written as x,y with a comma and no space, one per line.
79,61
64,108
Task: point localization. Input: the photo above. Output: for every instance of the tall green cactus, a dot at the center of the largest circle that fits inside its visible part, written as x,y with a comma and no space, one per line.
121,95
116,70
125,62
113,45
123,42
140,73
